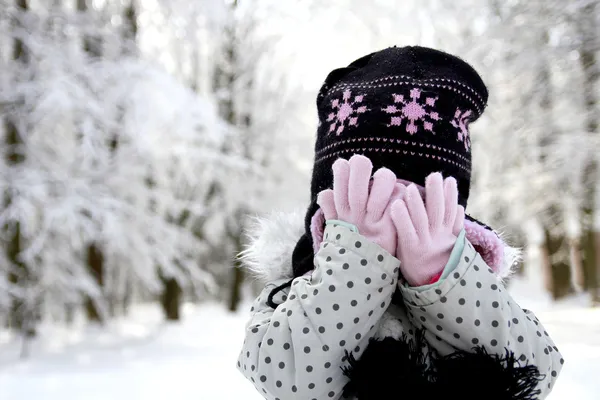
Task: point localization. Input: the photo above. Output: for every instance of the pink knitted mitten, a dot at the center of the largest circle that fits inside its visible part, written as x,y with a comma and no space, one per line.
427,229
365,204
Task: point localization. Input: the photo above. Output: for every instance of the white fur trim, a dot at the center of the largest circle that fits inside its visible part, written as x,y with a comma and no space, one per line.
272,240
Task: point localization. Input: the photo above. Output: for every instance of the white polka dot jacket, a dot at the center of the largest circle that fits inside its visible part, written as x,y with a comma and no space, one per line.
350,330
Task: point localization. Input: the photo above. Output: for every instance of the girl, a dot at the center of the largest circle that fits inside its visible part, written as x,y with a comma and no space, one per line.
391,290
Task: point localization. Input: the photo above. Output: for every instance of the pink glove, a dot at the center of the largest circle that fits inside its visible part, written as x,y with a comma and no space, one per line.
351,200
427,232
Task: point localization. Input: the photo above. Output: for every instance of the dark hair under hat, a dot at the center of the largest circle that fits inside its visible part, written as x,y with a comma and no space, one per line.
407,109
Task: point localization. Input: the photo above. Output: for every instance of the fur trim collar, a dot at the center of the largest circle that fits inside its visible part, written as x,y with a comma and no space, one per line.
272,240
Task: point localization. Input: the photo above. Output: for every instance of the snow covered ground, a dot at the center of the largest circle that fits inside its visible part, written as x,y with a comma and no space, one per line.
141,358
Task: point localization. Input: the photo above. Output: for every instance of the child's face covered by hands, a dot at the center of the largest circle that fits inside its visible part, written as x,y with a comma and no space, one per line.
418,225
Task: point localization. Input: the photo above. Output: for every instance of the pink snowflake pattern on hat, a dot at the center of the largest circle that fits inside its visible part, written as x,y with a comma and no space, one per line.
413,111
345,113
461,121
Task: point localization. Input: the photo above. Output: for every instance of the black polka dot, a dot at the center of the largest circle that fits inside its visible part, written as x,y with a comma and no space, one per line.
463,282
443,299
476,268
318,310
457,336
294,388
490,271
554,374
353,303
370,313
383,304
546,351
304,296
380,258
477,303
367,280
477,322
438,327
459,320
461,301
315,292
338,236
328,259
438,291
263,378
342,251
495,304
292,297
475,341
350,284
327,365
478,284
562,361
356,320
346,266
520,339
466,259
522,358
253,368
329,272
342,343
363,262
368,297
339,325
270,342
286,346
383,276
268,360
329,380
331,394
331,288
440,316
336,307
358,244
321,329
281,365
495,324
515,321
422,318
254,330
380,290
306,349
311,385
289,313
278,384
305,330
456,275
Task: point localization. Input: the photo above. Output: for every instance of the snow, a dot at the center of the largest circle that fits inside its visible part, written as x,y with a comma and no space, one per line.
142,358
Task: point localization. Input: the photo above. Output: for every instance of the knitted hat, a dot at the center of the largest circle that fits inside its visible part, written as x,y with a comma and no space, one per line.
407,109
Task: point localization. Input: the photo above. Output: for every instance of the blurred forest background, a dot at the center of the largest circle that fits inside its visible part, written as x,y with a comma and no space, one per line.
137,135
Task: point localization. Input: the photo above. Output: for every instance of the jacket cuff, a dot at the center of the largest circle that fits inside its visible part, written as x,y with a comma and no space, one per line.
371,253
469,258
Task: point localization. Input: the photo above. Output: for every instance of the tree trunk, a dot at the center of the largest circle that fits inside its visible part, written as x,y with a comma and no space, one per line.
559,280
588,31
171,299
19,273
95,263
575,258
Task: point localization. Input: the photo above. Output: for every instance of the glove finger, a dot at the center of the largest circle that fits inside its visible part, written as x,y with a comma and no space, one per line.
451,201
399,191
434,198
358,183
384,184
326,201
416,211
341,174
404,228
459,221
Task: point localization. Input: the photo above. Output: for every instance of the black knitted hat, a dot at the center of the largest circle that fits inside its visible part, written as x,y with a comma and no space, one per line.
405,108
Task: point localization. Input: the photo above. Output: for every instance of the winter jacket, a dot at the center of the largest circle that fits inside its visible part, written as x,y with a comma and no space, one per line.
350,329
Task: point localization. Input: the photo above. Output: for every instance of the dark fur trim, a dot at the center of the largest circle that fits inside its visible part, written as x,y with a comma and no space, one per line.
398,369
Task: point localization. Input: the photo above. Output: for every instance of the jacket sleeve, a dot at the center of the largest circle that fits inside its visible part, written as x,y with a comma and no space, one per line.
296,351
472,308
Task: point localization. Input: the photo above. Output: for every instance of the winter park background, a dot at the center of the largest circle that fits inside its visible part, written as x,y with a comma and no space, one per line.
137,136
